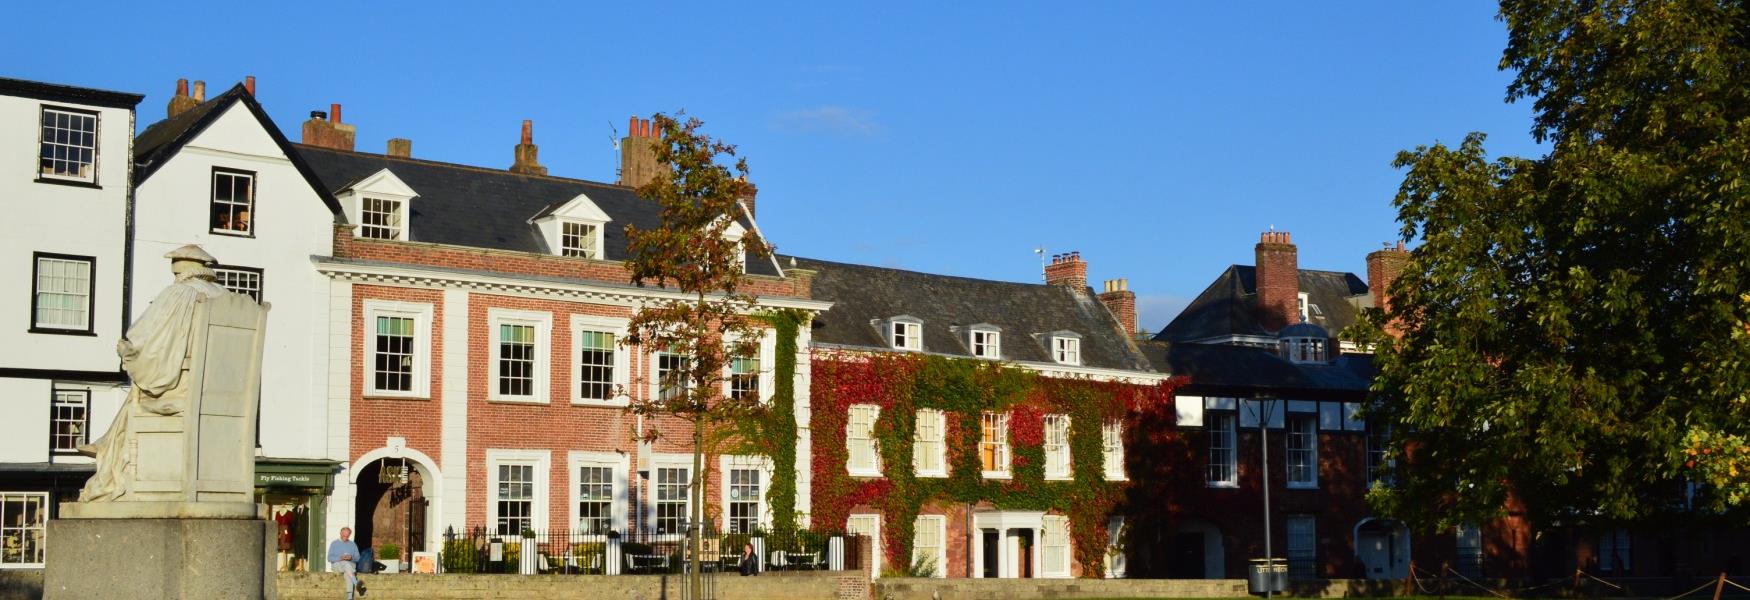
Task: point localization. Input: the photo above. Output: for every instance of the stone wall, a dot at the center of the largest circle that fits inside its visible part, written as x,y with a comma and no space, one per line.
21,584
894,588
775,586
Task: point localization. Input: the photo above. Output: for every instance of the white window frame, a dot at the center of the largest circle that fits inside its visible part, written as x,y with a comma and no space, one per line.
622,358
768,348
873,468
655,368
1112,450
96,143
1309,456
911,330
1058,460
37,292
1229,454
594,252
939,525
1377,436
234,279
1003,446
1054,536
985,342
233,205
73,398
1066,349
684,462
870,525
400,214
543,324
1303,304
1303,547
936,448
620,465
422,319
726,465
40,527
542,461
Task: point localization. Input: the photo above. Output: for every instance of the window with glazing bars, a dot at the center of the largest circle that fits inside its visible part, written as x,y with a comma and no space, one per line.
1112,449
993,442
516,360
69,145
927,443
68,419
926,544
63,293
671,499
1302,548
23,520
1468,560
671,376
595,365
595,499
744,378
239,281
394,354
1054,544
1222,447
516,499
233,205
744,500
577,239
986,344
1303,449
380,218
860,438
1057,446
1379,466
1069,350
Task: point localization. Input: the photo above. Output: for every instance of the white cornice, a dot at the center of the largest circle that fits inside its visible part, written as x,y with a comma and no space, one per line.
623,295
1043,368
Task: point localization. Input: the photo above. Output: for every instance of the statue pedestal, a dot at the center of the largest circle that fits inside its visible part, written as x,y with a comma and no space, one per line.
133,550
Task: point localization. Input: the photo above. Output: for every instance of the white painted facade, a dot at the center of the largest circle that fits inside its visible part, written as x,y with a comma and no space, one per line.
289,223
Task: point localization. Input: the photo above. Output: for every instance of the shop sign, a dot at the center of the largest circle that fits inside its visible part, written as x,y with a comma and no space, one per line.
288,479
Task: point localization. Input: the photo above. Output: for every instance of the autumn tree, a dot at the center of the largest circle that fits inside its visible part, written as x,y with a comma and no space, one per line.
1574,325
707,319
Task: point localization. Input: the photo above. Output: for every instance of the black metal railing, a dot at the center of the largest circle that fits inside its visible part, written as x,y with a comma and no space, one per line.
566,551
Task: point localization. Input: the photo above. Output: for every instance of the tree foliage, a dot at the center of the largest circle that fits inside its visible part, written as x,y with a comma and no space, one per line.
1574,326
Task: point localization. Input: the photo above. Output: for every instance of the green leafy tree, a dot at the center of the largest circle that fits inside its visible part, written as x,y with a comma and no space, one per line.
709,321
1573,326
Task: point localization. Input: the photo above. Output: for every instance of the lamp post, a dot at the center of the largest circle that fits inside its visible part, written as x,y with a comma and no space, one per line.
1261,408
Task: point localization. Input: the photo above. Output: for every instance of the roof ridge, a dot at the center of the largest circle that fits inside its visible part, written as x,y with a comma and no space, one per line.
916,272
302,146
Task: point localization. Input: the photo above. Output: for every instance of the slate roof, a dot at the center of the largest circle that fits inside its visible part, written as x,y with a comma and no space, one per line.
162,140
1229,305
863,293
1243,370
482,207
56,92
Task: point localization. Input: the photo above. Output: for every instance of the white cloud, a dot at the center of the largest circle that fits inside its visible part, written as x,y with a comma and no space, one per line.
829,120
1154,311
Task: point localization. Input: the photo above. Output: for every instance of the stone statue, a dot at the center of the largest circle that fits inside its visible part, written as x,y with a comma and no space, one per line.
156,355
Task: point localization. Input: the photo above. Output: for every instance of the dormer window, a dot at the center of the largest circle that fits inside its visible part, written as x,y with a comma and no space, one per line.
1066,348
380,205
381,218
1304,343
905,333
985,341
579,239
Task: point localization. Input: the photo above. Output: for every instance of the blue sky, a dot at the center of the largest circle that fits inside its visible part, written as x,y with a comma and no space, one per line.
1156,138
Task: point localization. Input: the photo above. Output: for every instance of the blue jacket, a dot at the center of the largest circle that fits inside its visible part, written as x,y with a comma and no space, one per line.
339,547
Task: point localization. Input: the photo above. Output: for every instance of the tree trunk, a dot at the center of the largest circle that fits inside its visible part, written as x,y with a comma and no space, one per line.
696,579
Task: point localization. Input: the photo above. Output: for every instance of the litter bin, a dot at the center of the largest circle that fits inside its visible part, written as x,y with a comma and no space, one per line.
1267,575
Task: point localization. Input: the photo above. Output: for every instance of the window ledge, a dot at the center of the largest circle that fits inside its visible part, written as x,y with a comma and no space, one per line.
859,473
51,331
1226,485
394,396
997,474
933,474
1304,486
1116,477
1063,477
598,403
229,233
515,400
69,182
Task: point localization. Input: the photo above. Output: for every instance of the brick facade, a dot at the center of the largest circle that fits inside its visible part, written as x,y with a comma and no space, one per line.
376,419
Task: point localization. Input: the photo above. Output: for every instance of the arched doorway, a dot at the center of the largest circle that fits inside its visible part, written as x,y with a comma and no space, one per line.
1198,552
1383,546
393,505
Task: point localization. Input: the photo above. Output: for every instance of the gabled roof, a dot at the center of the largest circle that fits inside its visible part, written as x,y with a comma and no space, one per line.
1240,369
164,139
1229,305
861,294
479,207
55,92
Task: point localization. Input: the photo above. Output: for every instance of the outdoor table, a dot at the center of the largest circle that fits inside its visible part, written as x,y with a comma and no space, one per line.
640,562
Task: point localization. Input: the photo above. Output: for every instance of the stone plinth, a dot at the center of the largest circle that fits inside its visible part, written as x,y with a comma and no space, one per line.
172,558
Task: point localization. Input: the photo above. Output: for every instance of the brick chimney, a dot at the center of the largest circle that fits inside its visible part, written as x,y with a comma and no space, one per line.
1383,267
401,147
527,162
181,102
249,85
1067,270
1122,302
325,130
638,154
1278,278
749,192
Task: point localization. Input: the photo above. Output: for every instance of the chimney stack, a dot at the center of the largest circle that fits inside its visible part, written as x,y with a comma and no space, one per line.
249,85
329,132
181,102
526,160
749,192
1278,280
401,147
1383,267
1122,302
200,92
638,154
1067,270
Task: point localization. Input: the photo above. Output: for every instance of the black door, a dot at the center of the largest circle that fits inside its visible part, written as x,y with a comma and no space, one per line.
1188,557
415,526
991,539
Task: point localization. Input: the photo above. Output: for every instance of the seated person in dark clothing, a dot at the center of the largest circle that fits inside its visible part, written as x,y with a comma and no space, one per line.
750,564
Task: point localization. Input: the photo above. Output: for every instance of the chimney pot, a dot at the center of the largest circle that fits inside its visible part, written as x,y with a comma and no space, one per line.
401,147
334,112
249,85
632,126
182,87
181,102
528,131
200,91
318,115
